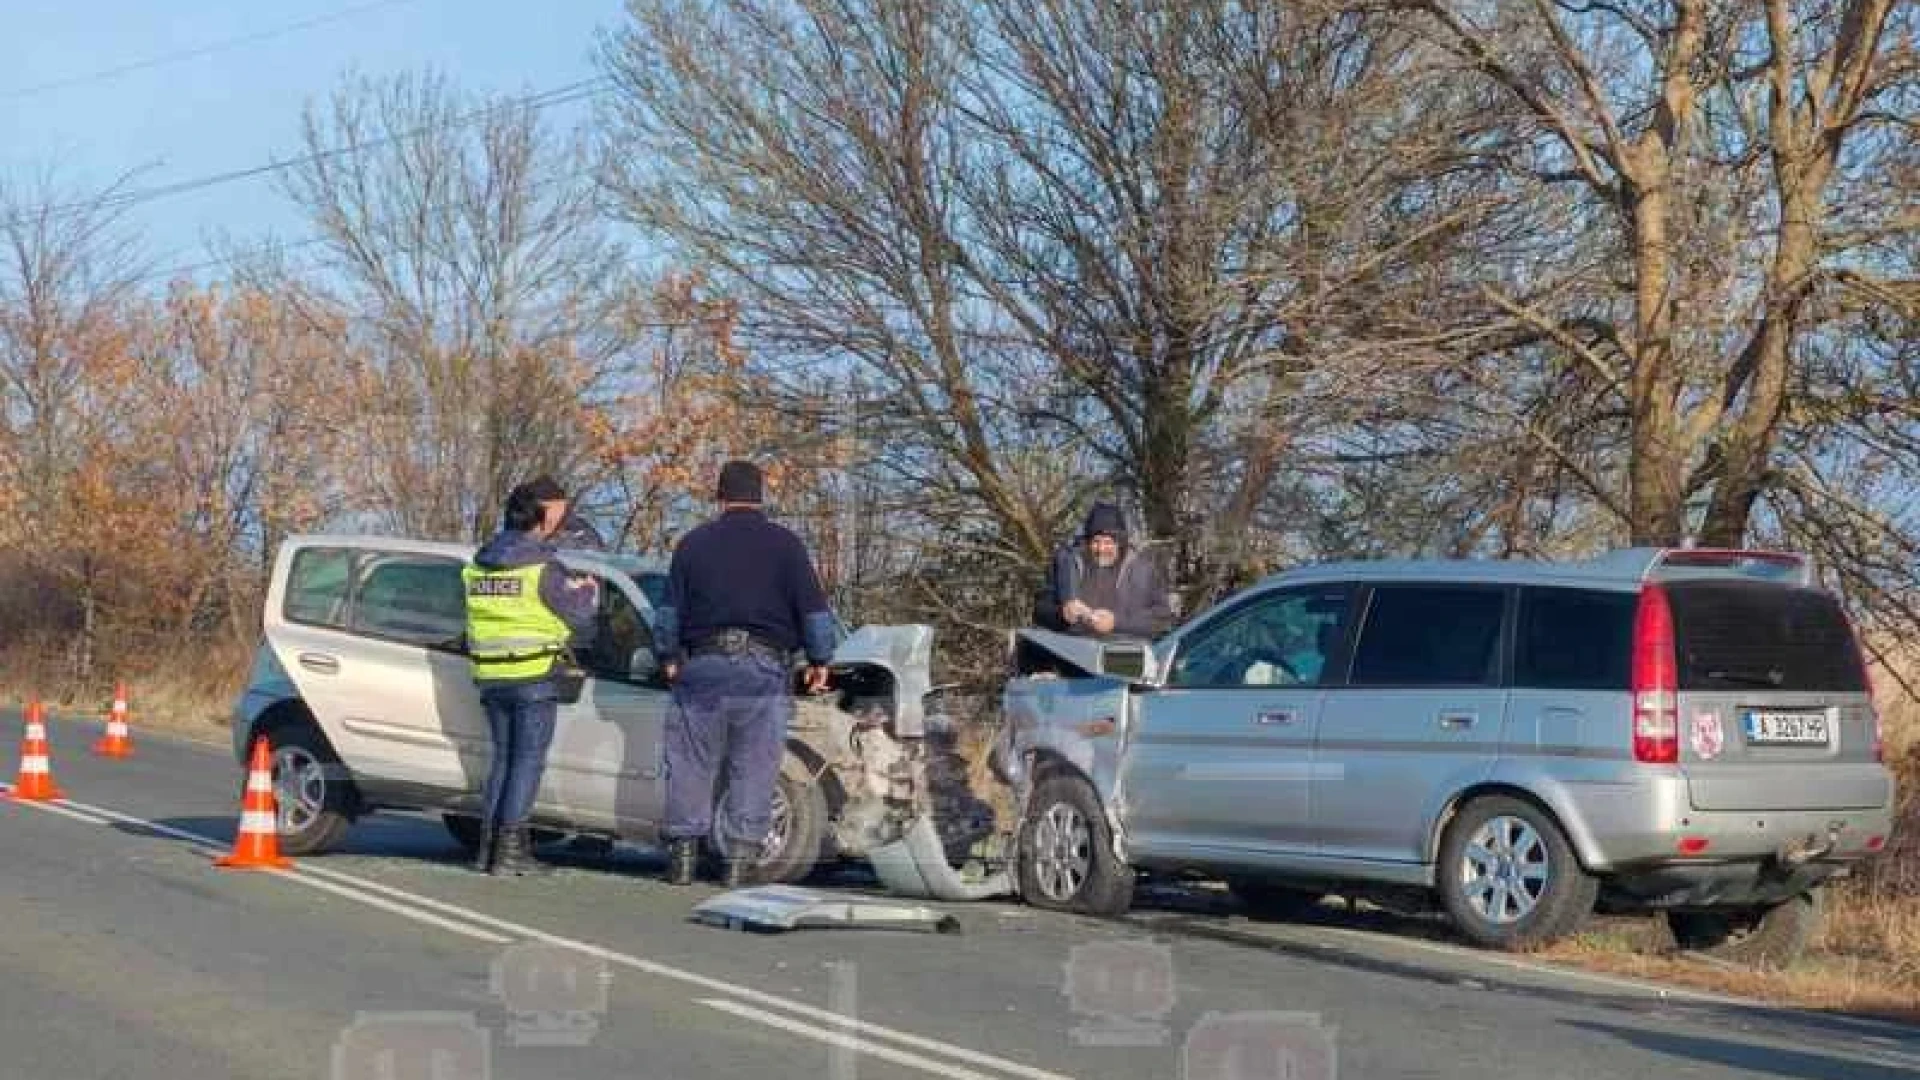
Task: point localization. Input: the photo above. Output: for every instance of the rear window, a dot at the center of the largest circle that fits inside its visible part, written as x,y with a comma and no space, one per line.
1733,635
316,592
1575,639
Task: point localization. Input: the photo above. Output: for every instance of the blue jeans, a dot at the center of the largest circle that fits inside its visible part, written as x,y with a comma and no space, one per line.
729,717
521,719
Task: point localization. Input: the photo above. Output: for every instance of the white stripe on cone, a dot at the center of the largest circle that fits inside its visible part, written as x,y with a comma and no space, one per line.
259,821
33,764
116,727
258,782
36,730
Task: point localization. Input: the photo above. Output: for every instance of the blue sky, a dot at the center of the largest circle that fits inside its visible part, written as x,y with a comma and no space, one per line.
239,106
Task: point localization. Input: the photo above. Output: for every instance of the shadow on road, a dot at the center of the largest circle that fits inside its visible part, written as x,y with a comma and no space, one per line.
1760,1060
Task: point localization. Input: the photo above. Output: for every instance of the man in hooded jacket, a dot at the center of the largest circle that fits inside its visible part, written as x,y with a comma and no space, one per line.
1102,586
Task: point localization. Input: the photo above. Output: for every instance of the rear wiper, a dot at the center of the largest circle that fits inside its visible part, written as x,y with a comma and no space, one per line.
1749,678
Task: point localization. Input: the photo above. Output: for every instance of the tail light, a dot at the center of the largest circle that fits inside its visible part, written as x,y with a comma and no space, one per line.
1866,680
1656,682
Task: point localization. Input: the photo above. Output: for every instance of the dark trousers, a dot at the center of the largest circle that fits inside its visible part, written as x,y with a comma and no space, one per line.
521,719
729,718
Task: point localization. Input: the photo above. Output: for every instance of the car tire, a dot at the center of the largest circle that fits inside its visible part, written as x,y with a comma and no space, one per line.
1066,860
312,790
1268,900
799,797
1770,938
1508,878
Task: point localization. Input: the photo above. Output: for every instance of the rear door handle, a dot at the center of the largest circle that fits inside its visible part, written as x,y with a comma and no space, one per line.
1277,716
1458,721
320,662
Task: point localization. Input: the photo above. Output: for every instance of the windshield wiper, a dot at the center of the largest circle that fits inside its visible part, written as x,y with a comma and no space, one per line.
1748,678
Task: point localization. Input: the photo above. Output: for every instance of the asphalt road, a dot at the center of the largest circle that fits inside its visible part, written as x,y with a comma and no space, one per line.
125,953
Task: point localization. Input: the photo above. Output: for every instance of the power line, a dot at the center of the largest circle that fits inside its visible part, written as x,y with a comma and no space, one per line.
557,96
209,49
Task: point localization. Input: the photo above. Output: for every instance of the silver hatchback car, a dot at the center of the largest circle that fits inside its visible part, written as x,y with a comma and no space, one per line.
1678,730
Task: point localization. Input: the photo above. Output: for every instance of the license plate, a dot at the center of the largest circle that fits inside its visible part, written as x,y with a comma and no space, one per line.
1796,729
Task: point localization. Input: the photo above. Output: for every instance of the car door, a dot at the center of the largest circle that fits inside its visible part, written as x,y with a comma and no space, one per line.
604,770
1419,718
1220,762
416,713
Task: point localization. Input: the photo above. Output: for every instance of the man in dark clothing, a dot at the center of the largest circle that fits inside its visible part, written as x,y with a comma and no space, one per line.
742,597
522,612
1102,586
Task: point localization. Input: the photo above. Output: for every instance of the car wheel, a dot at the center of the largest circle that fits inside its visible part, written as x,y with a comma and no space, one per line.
1066,860
1264,899
1509,879
798,827
312,791
1765,938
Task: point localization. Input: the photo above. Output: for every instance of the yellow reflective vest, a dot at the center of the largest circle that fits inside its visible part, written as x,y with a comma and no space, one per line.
512,636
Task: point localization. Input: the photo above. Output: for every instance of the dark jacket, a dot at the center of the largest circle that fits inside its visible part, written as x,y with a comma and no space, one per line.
1143,611
743,571
509,550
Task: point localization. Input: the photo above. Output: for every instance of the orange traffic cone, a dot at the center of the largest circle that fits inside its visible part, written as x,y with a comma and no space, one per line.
258,845
117,743
35,783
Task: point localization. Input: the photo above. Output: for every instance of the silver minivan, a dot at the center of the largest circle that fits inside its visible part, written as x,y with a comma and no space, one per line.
1685,731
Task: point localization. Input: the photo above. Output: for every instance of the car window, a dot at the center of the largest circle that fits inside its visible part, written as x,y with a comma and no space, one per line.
1746,636
413,598
316,592
1575,639
654,588
1285,639
618,631
1427,635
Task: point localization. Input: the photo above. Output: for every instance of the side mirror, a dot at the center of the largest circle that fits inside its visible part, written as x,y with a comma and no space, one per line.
643,666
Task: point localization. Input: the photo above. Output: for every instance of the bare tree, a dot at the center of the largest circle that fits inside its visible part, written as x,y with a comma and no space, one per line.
1723,150
489,292
67,272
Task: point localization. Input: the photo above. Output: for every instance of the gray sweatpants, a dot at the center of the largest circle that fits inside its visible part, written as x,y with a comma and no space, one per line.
729,718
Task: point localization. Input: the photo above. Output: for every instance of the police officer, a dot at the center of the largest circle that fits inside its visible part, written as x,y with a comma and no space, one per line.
522,611
742,597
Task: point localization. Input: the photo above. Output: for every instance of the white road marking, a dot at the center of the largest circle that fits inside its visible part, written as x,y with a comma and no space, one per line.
56,807
99,815
834,1038
483,926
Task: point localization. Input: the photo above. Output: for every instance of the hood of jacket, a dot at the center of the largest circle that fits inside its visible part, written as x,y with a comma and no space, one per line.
510,550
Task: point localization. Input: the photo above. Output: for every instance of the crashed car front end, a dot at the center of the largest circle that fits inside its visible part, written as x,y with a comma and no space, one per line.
1068,707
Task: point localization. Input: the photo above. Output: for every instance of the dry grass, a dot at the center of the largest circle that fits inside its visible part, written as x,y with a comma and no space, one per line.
186,690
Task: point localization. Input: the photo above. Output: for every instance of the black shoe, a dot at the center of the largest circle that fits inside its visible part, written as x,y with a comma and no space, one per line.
516,855
683,858
486,850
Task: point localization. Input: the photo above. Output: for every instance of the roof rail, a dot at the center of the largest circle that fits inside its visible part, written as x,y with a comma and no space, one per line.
1739,562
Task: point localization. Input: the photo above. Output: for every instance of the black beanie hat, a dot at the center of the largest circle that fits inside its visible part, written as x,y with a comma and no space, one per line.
740,482
1105,519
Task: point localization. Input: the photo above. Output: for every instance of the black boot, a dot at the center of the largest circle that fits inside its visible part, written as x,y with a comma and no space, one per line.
486,850
739,874
683,857
516,855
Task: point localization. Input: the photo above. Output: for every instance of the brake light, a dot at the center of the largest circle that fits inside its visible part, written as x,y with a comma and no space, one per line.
1866,680
1656,682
